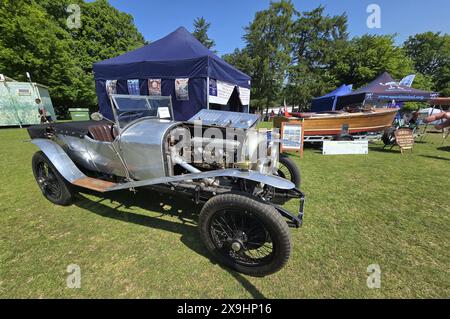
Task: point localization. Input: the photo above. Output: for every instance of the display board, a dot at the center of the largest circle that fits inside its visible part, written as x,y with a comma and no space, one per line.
404,138
292,137
345,147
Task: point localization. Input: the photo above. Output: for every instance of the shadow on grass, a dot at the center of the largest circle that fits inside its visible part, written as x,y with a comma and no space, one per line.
436,157
185,210
444,148
387,149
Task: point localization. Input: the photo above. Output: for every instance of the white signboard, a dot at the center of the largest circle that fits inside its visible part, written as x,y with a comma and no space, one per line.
244,95
345,147
163,112
220,92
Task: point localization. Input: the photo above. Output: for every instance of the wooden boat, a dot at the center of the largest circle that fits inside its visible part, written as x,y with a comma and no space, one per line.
331,123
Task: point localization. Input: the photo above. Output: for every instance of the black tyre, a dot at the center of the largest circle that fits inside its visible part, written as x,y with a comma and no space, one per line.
388,137
288,169
54,187
245,234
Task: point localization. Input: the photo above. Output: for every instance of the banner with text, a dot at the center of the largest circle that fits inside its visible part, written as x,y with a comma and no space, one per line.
220,92
244,95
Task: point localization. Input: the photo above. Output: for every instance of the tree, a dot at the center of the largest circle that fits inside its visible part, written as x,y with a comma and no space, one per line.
430,53
32,42
268,40
368,56
242,60
36,38
201,28
318,41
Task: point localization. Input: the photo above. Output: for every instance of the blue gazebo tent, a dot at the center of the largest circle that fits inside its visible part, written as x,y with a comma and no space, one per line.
179,55
328,101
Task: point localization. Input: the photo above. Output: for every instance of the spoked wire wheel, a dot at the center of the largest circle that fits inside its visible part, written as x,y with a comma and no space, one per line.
245,234
47,181
287,169
283,171
53,186
242,236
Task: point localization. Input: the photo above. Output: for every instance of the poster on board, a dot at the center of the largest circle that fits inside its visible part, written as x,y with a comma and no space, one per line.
133,87
292,137
182,89
212,87
111,87
154,87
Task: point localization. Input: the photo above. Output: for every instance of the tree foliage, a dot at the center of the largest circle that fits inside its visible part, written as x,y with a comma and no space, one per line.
201,27
289,54
368,56
301,55
269,46
36,39
430,53
318,41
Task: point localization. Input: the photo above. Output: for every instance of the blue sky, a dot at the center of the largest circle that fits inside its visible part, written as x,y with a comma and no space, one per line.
156,19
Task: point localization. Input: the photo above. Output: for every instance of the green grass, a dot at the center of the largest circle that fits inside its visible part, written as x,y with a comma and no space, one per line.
381,208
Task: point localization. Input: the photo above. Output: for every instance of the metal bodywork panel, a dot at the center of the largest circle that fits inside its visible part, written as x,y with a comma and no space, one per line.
59,159
141,145
225,119
93,155
271,180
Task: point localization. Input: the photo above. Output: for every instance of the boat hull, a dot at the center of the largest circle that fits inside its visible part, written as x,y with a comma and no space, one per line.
332,124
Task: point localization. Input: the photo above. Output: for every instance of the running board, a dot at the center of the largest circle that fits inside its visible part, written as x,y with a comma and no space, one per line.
95,184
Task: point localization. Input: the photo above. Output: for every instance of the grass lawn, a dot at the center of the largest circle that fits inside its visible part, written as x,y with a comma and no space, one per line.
382,208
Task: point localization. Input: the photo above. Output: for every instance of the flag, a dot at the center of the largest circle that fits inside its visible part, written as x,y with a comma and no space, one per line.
407,80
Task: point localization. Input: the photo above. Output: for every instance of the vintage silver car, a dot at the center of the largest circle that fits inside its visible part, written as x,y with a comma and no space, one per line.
216,158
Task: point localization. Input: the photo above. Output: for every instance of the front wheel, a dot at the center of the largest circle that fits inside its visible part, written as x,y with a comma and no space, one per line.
245,234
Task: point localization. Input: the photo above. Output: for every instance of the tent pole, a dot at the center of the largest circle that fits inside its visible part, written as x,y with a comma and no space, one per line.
248,106
207,92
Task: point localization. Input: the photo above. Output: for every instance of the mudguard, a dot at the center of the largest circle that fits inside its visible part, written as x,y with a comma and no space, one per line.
59,159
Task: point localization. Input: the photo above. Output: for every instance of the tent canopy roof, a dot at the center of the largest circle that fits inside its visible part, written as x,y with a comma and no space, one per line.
327,102
178,54
385,88
342,90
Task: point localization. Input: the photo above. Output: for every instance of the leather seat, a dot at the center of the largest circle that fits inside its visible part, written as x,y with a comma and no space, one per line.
102,132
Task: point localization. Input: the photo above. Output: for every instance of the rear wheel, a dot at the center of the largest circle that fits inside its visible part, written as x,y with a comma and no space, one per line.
53,186
245,234
289,170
